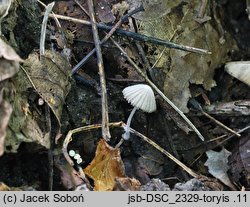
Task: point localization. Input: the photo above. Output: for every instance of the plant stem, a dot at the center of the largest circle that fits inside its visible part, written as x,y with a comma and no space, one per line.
126,135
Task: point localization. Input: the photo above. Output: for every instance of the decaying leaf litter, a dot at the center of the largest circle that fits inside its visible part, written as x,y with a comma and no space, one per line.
45,110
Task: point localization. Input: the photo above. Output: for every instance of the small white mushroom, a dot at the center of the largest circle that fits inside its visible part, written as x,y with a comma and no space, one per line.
239,70
142,97
77,156
79,161
72,153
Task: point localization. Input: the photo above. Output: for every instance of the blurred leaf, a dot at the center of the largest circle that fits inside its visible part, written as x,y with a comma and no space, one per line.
4,187
244,149
9,61
217,164
5,113
239,70
9,66
105,167
50,80
8,53
127,184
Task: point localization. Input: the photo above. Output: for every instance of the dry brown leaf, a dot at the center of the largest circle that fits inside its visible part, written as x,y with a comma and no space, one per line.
105,167
50,75
184,68
4,187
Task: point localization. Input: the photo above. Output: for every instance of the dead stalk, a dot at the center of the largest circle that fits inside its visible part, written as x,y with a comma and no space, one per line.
105,116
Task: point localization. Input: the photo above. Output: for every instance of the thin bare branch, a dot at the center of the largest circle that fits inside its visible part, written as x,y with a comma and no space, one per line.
105,117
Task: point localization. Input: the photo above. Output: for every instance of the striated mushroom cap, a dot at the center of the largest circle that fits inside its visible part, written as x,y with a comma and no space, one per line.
239,70
140,96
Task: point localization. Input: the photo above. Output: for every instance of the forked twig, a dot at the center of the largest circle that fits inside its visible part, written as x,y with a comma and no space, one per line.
68,139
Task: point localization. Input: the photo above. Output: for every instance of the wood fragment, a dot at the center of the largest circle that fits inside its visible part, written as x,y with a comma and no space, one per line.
201,16
233,108
220,123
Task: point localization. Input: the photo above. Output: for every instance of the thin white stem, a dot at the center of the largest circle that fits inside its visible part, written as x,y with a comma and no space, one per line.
126,135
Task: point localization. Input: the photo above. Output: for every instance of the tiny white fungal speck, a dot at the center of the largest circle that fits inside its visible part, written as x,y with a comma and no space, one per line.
72,153
77,156
79,161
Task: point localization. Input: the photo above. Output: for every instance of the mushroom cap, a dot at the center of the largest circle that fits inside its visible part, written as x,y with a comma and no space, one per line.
239,70
140,96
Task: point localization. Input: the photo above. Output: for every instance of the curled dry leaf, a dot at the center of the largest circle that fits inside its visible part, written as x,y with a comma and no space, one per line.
217,164
50,75
50,79
105,167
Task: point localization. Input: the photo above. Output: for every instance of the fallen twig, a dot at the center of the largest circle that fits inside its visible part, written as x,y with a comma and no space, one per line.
59,26
82,8
105,116
231,136
137,36
201,16
220,123
44,26
212,183
197,106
